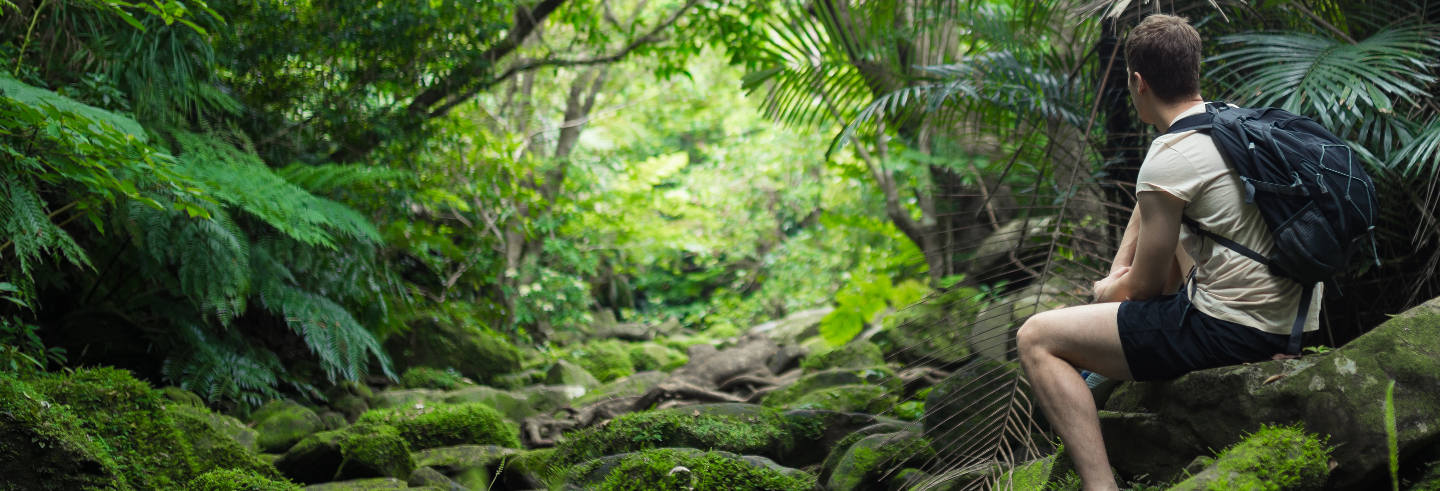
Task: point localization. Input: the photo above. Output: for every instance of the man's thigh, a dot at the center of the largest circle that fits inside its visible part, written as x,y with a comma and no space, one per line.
1086,336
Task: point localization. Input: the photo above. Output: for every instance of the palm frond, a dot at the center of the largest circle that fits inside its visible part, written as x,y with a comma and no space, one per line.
1337,82
1422,154
809,77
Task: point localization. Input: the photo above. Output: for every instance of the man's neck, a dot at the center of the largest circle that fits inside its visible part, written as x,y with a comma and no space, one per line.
1168,112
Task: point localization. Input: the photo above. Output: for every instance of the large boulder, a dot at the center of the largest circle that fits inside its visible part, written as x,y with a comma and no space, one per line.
476,353
869,462
209,437
817,432
566,373
824,381
794,327
1156,428
43,444
364,450
961,409
282,423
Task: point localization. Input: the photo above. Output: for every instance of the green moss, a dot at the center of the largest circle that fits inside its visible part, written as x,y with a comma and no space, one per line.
871,399
282,423
654,356
182,396
44,446
652,470
431,378
827,379
1275,457
760,432
237,480
130,418
538,463
445,425
867,459
607,360
212,446
374,450
855,354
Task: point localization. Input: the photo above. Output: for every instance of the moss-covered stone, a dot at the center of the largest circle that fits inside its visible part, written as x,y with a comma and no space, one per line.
607,359
238,480
350,405
961,407
511,405
370,484
479,354
827,379
44,446
537,465
129,417
655,356
461,458
871,399
567,373
447,425
425,476
855,354
214,448
405,398
1276,457
740,428
313,460
932,332
431,378
374,450
282,423
633,385
685,468
868,460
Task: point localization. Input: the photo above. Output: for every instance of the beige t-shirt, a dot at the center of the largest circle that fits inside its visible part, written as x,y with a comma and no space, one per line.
1227,285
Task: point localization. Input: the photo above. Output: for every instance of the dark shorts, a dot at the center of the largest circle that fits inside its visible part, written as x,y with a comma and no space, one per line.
1164,338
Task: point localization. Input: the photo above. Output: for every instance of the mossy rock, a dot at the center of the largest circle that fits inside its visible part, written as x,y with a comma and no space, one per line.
350,405
209,437
374,450
529,376
545,399
741,428
855,354
961,406
314,460
475,353
370,484
44,446
655,356
633,385
458,459
432,378
1276,457
534,468
130,418
401,398
868,460
931,332
425,476
688,468
513,406
607,360
836,377
282,423
817,432
447,425
871,399
238,480
566,373
1340,393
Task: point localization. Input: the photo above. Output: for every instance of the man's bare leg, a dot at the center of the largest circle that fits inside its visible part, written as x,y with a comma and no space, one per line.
1052,346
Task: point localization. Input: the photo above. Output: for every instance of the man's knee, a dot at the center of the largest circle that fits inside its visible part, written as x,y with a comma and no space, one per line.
1031,334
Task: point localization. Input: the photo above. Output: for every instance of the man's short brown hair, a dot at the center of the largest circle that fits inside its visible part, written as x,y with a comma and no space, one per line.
1166,52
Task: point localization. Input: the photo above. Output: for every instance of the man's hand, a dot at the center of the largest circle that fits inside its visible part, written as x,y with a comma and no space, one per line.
1105,291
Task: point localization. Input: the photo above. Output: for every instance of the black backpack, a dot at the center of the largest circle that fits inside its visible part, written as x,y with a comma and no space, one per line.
1312,192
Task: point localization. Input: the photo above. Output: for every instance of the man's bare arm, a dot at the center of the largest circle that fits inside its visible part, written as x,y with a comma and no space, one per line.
1126,255
1154,268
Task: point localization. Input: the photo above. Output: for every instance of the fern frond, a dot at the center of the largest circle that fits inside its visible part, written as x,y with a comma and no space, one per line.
240,179
222,367
27,226
329,177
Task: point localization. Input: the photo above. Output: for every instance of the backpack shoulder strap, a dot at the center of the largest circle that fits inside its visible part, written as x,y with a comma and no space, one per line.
1199,122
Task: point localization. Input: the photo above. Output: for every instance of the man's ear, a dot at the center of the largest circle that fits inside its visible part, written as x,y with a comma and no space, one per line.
1138,82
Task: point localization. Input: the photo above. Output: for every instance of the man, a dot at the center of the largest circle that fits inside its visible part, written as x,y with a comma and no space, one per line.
1230,311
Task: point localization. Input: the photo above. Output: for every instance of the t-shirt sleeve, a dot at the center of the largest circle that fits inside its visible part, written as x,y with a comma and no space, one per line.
1169,171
